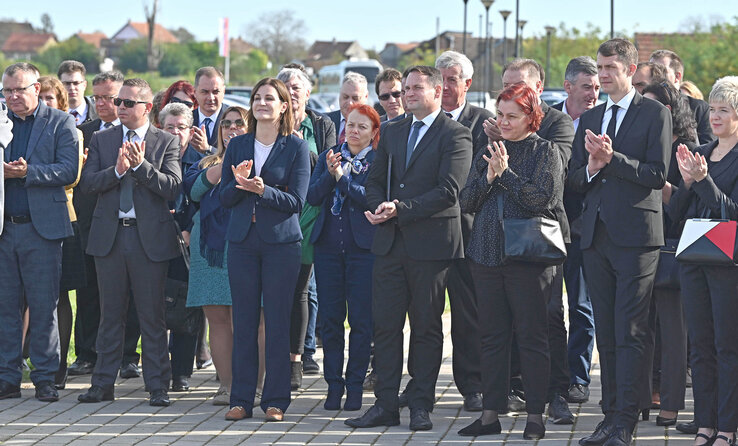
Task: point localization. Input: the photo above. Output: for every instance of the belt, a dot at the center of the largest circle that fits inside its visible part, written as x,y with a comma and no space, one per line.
18,219
127,221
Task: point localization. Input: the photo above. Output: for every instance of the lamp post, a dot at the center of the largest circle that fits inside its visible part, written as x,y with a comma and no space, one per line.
505,14
463,45
612,19
521,24
549,30
517,36
487,62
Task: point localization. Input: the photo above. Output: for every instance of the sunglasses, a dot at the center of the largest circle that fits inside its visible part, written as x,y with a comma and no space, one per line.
386,96
177,100
228,123
129,103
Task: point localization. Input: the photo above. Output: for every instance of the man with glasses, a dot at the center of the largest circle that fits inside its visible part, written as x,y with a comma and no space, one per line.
209,92
388,86
134,170
72,75
41,159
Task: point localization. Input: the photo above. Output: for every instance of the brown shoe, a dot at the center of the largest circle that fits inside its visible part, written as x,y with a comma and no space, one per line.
274,414
237,413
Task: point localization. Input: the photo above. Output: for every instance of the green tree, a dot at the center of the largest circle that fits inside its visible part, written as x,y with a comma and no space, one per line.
177,60
72,48
247,69
418,56
205,54
132,56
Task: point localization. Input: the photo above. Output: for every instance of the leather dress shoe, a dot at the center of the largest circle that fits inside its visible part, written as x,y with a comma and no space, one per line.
473,402
578,393
599,436
515,403
420,420
620,436
558,411
180,384
46,392
309,366
404,400
79,367
238,413
96,394
477,428
8,390
375,416
295,375
370,380
663,421
274,414
203,363
687,428
534,431
159,398
130,370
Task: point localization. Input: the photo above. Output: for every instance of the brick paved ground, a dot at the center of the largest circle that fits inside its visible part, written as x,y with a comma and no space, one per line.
193,420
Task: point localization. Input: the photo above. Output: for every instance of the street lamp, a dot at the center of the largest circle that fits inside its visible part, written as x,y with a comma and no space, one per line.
505,14
487,62
517,36
549,30
463,45
521,24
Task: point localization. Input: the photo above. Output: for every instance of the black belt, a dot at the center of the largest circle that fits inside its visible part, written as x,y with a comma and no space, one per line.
18,219
127,221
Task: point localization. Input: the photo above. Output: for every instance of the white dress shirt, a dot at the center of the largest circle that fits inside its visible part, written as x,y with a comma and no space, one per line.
428,120
81,112
455,114
623,104
576,121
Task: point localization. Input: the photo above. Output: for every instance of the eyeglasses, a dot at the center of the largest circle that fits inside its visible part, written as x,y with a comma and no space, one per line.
100,98
72,83
16,91
386,96
177,100
228,123
129,103
180,128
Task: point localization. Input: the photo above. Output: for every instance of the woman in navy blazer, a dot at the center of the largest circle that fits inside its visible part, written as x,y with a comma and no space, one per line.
343,261
264,180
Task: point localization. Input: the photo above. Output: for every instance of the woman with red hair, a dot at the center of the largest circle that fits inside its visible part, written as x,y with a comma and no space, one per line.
526,172
180,92
343,237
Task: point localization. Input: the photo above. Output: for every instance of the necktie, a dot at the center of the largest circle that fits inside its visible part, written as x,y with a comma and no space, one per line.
126,184
107,125
342,136
414,131
611,126
206,122
449,115
76,116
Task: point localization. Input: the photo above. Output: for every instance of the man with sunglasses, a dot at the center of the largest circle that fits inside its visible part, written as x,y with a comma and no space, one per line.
134,170
72,75
209,92
388,86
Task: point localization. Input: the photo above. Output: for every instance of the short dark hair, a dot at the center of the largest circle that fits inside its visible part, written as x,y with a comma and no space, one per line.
683,123
675,62
624,49
580,65
21,66
388,75
144,89
208,72
533,68
658,71
108,76
434,74
71,66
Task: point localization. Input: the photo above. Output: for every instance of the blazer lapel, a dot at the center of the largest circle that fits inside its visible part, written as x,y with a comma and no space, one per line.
427,138
152,136
39,123
400,152
273,154
465,118
628,120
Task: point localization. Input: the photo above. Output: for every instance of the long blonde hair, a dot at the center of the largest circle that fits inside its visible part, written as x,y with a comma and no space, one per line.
217,157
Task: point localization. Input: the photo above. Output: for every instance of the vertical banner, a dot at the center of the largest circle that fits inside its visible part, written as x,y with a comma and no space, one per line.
225,47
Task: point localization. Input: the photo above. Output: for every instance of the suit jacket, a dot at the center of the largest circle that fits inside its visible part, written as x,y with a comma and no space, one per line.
335,116
701,110
325,130
84,204
6,135
213,140
321,192
53,161
626,193
427,189
157,181
472,118
397,118
286,174
91,112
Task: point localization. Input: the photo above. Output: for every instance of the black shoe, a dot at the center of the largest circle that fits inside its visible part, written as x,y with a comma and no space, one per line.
404,400
662,421
46,392
473,402
202,364
534,431
60,380
96,394
180,384
688,428
370,380
159,398
420,420
558,411
333,399
578,394
81,368
375,416
295,375
620,436
477,428
599,436
309,366
730,441
8,390
130,370
515,403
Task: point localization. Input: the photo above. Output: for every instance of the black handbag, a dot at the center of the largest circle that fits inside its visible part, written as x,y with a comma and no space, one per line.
667,271
179,317
535,239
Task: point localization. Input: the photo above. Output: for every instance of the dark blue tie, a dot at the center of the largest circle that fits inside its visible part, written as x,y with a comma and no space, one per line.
206,122
414,132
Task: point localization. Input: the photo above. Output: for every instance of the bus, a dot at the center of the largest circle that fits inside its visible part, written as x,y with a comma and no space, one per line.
330,77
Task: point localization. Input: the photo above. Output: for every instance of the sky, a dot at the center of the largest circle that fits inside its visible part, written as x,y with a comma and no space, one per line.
372,22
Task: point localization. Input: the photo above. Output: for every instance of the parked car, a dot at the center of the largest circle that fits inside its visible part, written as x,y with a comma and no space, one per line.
477,98
229,100
239,91
317,104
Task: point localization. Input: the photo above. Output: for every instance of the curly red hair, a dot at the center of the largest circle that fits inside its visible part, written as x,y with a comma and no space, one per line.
527,99
183,86
373,116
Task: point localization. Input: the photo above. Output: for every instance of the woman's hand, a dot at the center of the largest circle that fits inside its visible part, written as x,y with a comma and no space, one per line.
499,158
214,173
666,192
255,185
491,175
333,163
242,172
692,166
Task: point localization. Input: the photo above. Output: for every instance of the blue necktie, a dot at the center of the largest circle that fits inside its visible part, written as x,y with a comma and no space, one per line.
206,122
414,132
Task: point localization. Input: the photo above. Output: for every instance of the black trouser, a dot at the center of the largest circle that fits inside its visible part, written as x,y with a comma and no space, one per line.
464,328
671,357
299,316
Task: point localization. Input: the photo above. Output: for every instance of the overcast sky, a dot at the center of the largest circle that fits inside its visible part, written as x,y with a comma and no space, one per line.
372,22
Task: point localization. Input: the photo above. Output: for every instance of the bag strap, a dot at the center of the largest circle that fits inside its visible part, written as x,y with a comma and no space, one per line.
723,207
182,245
500,207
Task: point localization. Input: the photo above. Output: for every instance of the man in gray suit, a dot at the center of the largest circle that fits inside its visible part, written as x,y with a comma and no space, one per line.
41,159
134,170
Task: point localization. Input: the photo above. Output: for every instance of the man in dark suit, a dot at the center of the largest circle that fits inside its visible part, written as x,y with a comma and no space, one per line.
134,169
209,92
583,88
105,87
675,74
41,159
72,75
353,91
420,166
620,158
558,128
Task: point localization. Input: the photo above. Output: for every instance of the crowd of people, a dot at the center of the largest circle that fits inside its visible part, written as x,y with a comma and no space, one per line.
382,211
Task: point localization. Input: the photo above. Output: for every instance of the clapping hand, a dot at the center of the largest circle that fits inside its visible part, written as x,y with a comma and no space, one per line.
200,139
491,130
497,161
692,166
600,151
333,162
242,171
122,164
135,153
16,169
384,212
